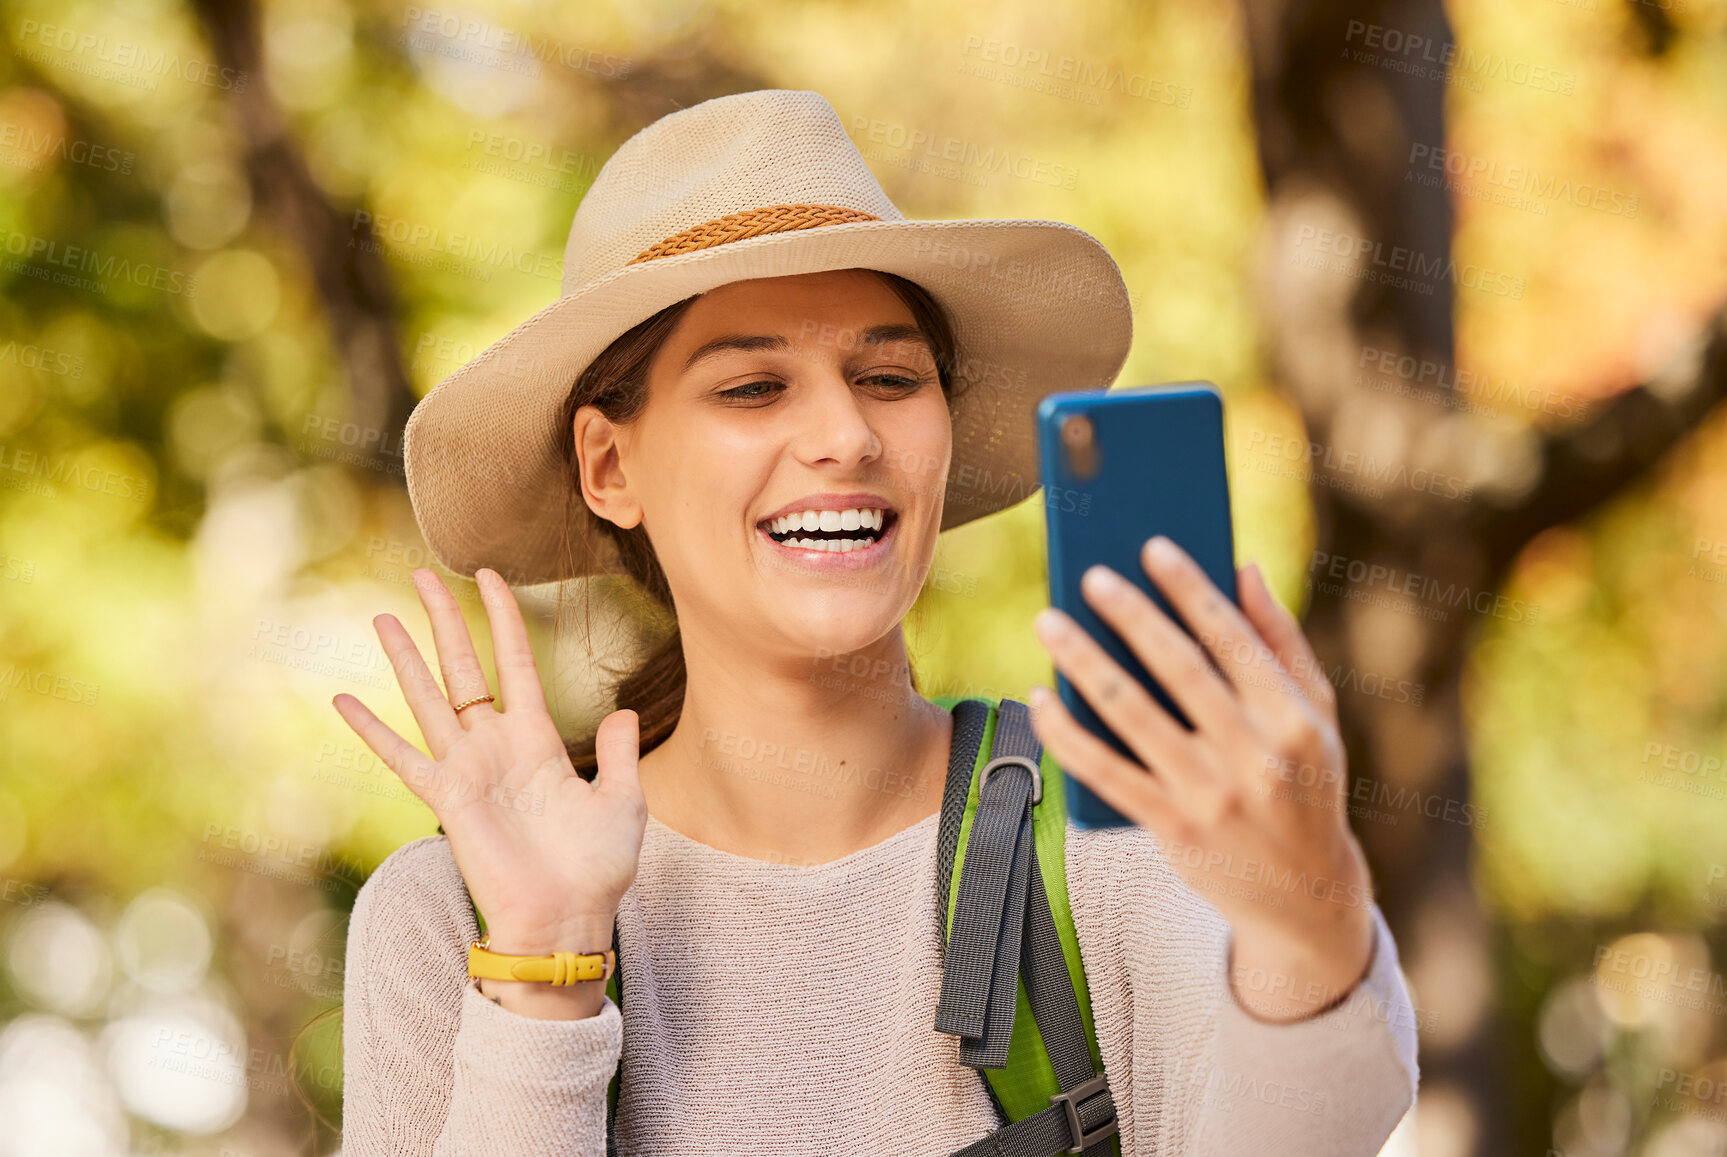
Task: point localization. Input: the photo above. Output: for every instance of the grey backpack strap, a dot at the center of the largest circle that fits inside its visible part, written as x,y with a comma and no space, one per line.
969,719
980,977
1082,1118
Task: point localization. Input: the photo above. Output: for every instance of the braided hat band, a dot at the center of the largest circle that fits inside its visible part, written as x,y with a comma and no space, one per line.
751,223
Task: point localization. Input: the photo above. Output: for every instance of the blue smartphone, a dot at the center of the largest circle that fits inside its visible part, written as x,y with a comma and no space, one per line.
1119,466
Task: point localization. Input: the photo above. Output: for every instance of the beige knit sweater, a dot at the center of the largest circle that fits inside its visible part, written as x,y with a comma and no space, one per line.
787,1009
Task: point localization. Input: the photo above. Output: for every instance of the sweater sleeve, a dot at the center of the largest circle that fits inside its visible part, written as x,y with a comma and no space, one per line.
1193,1073
433,1068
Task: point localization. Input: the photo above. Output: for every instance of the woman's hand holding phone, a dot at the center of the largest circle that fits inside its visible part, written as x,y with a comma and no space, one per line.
1250,804
546,855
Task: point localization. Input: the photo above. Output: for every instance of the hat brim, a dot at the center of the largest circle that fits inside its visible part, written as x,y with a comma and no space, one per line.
1036,306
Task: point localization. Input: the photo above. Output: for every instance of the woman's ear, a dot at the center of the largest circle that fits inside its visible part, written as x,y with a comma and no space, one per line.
600,468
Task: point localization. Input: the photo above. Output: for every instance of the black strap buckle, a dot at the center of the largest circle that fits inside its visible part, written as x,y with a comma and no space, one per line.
1068,1102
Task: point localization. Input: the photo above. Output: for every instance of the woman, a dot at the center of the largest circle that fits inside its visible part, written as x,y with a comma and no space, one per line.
782,392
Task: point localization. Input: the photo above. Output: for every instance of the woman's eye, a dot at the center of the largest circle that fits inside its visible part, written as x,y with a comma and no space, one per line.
750,390
896,381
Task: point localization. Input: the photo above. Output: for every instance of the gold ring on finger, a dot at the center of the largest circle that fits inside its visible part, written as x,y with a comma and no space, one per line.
471,702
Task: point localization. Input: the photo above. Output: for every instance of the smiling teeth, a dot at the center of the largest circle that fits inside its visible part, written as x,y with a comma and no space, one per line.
841,545
857,518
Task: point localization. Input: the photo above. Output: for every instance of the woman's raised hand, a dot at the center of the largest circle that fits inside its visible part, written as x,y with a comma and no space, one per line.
545,854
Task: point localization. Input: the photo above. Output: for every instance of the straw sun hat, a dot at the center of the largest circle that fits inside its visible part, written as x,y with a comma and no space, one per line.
759,184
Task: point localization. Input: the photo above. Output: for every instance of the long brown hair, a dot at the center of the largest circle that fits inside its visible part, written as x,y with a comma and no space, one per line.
616,383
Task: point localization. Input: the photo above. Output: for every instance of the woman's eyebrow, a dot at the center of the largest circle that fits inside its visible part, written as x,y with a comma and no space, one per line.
720,345
883,334
874,335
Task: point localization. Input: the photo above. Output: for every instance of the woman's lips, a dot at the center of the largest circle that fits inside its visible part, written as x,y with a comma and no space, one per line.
833,560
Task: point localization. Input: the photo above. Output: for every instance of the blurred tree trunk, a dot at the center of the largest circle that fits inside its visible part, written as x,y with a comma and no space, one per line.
350,277
1345,97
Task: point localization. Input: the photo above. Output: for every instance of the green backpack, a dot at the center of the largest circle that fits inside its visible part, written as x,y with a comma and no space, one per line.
1001,870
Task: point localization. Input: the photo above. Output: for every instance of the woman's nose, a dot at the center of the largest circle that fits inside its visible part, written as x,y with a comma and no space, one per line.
836,424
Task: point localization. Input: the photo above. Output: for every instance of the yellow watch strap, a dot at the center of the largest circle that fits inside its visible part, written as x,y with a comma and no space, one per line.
559,968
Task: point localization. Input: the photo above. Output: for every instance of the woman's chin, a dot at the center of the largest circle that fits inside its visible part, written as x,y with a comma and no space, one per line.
837,635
